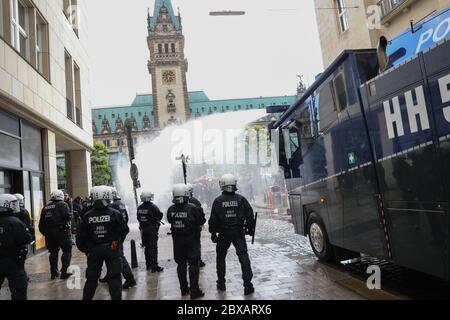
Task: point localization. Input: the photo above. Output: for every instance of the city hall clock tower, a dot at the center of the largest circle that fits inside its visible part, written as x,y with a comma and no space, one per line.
167,66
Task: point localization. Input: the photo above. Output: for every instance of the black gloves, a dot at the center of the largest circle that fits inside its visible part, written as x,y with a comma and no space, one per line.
214,238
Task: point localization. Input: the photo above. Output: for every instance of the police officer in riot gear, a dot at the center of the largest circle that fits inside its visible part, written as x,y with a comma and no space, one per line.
14,237
118,205
149,217
55,226
24,215
101,231
231,219
196,202
186,219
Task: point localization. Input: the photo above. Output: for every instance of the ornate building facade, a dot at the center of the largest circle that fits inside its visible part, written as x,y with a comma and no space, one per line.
167,66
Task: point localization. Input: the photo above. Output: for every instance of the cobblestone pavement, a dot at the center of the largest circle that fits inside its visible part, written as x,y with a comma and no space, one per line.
283,264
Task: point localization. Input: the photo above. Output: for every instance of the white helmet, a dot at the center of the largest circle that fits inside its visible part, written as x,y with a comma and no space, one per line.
57,195
190,188
101,196
9,204
115,194
102,193
180,193
147,196
228,183
21,199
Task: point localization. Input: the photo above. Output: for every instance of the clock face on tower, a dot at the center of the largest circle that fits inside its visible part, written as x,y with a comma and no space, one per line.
168,77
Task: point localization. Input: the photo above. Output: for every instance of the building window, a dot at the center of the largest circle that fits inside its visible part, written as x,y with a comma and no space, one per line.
78,109
173,47
20,22
160,48
165,29
42,51
71,12
2,18
73,90
69,85
166,48
342,12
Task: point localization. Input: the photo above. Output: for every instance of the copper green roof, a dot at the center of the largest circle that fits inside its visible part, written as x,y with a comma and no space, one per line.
200,105
152,20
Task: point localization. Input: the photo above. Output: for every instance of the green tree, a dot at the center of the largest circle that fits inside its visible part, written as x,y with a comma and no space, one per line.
101,171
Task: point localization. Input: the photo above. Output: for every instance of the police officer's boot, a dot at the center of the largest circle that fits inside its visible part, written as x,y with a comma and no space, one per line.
55,275
249,289
197,294
65,275
185,291
157,269
129,283
221,286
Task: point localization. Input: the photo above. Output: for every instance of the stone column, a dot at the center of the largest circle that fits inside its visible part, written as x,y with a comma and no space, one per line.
78,168
50,170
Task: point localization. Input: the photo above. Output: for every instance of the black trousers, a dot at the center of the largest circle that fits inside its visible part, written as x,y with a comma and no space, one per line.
199,237
186,252
13,270
126,269
150,242
97,256
55,241
237,238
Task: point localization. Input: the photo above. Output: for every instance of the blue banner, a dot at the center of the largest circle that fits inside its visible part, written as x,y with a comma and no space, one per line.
426,34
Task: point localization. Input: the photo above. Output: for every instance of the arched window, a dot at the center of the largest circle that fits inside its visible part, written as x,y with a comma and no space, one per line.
173,47
159,48
166,47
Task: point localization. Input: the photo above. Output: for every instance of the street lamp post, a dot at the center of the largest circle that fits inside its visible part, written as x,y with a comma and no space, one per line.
184,160
134,172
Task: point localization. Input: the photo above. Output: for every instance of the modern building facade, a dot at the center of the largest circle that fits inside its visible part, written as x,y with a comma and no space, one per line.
44,101
355,24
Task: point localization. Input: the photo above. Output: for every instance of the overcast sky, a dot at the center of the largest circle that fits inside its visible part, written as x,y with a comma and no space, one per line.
259,54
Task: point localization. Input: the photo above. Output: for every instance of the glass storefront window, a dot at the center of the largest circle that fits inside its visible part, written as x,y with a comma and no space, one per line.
5,182
9,124
10,155
27,191
37,185
32,147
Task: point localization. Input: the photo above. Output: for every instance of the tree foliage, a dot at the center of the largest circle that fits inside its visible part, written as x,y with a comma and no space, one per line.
101,171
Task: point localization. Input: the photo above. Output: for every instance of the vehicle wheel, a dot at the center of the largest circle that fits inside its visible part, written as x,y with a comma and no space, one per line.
318,238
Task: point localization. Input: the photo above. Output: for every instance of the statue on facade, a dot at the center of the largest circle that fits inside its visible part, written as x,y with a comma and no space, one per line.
146,123
119,124
106,128
94,127
171,108
134,126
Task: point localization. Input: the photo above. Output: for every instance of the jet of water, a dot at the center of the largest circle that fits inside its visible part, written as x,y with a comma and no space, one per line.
204,140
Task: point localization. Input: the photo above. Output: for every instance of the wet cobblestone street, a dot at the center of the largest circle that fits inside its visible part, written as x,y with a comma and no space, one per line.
284,268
